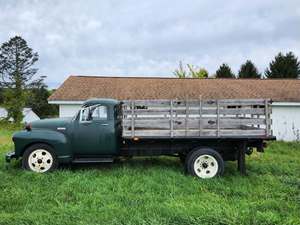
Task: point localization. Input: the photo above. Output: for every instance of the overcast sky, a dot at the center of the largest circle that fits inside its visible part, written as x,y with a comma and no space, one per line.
149,38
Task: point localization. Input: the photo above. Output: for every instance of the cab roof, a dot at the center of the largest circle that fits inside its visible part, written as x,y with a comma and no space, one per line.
95,101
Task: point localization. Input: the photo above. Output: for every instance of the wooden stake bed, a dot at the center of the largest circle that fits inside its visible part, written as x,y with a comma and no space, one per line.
196,118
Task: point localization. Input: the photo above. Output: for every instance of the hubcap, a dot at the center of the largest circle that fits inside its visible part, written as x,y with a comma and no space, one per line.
40,160
206,166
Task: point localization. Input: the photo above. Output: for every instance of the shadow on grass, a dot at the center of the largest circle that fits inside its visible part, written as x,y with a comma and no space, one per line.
137,163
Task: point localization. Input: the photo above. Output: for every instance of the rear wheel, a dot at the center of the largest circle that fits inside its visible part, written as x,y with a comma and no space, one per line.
204,163
39,158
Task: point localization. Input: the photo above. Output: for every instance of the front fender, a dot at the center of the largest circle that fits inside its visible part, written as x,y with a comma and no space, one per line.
59,141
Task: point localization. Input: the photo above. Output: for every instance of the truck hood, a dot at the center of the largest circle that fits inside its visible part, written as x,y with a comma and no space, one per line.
51,124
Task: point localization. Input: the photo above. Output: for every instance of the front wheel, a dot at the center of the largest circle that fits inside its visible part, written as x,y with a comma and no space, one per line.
39,158
205,163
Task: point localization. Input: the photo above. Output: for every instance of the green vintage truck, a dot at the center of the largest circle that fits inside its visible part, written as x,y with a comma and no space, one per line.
201,133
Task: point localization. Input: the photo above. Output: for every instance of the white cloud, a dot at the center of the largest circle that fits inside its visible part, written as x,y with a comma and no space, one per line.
144,38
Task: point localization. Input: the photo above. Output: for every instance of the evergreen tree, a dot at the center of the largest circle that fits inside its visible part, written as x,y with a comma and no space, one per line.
1,96
224,71
284,66
248,70
38,99
16,61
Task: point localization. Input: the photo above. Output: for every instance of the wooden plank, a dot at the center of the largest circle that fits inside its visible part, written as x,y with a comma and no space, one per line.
132,118
192,123
255,111
267,118
171,117
194,102
200,116
166,103
186,116
242,102
218,118
194,133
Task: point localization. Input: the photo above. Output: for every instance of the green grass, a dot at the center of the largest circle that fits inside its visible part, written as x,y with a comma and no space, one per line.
153,191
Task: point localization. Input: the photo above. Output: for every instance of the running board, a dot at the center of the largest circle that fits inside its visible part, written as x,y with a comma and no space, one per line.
93,160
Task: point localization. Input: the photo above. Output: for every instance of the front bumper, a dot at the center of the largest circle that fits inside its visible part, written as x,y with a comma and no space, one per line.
9,156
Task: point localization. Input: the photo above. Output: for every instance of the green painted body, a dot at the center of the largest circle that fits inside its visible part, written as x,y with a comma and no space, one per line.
72,138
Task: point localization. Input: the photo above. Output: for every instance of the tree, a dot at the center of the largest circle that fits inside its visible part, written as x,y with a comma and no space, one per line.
38,99
1,96
248,70
180,72
224,71
193,72
284,66
197,72
16,61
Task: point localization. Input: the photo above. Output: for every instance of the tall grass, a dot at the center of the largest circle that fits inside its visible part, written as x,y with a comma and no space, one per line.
153,191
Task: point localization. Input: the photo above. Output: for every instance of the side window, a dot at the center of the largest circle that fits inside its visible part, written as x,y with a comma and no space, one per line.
100,113
85,114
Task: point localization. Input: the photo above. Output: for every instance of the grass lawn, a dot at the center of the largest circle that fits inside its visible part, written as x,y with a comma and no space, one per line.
153,191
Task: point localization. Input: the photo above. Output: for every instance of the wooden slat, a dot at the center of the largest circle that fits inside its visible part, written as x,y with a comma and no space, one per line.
267,118
171,117
186,116
166,103
242,102
200,116
194,133
255,111
132,118
194,102
192,123
218,118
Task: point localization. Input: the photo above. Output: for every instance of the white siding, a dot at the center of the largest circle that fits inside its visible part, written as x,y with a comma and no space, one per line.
286,122
68,110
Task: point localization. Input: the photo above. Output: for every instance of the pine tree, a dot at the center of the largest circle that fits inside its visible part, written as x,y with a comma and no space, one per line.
224,71
248,70
284,66
16,61
38,99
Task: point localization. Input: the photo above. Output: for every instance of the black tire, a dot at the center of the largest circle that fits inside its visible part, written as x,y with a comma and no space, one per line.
32,148
213,155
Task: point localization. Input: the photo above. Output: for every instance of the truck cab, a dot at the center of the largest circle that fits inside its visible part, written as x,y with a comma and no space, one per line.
91,135
95,129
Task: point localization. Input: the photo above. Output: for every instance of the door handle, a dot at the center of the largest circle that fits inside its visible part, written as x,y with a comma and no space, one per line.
104,124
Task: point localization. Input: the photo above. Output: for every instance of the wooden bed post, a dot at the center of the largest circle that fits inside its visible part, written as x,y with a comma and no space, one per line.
241,158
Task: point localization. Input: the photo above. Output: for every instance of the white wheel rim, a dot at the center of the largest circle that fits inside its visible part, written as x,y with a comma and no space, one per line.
206,166
40,160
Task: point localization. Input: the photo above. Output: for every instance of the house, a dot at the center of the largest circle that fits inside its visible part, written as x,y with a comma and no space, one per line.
28,115
285,94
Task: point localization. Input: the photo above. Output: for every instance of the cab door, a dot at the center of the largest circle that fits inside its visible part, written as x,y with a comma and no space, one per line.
94,132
